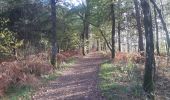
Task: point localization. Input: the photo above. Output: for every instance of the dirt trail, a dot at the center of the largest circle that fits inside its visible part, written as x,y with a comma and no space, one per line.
76,83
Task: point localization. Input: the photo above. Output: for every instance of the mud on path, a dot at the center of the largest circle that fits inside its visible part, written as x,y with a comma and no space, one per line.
78,82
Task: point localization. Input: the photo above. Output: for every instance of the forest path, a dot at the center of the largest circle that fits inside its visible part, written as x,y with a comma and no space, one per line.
78,82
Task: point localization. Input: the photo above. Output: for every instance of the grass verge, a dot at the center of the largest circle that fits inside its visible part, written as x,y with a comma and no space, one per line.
18,93
120,81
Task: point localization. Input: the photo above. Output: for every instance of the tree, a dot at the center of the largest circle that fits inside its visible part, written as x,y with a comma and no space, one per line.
119,38
139,28
53,32
86,24
113,29
119,26
148,84
23,27
8,42
163,23
157,35
83,11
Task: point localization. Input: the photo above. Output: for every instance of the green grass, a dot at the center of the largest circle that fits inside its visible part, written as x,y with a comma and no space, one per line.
57,72
118,81
71,61
50,77
107,84
18,93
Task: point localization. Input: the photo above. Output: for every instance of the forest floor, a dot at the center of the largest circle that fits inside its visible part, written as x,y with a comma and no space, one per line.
79,82
95,77
122,78
92,77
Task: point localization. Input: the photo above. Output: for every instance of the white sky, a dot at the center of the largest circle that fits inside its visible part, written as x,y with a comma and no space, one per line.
75,2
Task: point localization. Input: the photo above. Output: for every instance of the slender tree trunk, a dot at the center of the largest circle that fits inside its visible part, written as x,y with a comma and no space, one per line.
58,49
157,35
85,34
113,30
83,43
119,41
107,43
101,32
148,84
162,8
83,50
139,28
97,45
119,27
86,31
163,23
127,40
87,39
104,46
101,46
14,51
53,30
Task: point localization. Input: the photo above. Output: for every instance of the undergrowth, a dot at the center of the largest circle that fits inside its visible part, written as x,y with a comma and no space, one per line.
120,81
71,61
25,92
18,93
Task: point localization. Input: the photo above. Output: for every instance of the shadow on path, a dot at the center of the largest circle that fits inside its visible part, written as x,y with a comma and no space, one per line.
76,83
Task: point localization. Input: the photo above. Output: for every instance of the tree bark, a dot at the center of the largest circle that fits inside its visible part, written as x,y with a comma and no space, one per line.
104,46
53,30
148,84
163,23
157,35
127,40
139,28
58,49
86,31
113,30
119,27
97,49
101,45
101,32
107,43
119,41
82,40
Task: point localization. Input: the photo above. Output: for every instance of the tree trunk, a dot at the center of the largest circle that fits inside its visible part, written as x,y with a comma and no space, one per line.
127,40
53,30
101,32
148,84
163,23
97,49
119,41
58,49
86,31
14,51
107,43
119,27
83,44
139,28
113,30
157,35
101,46
104,49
